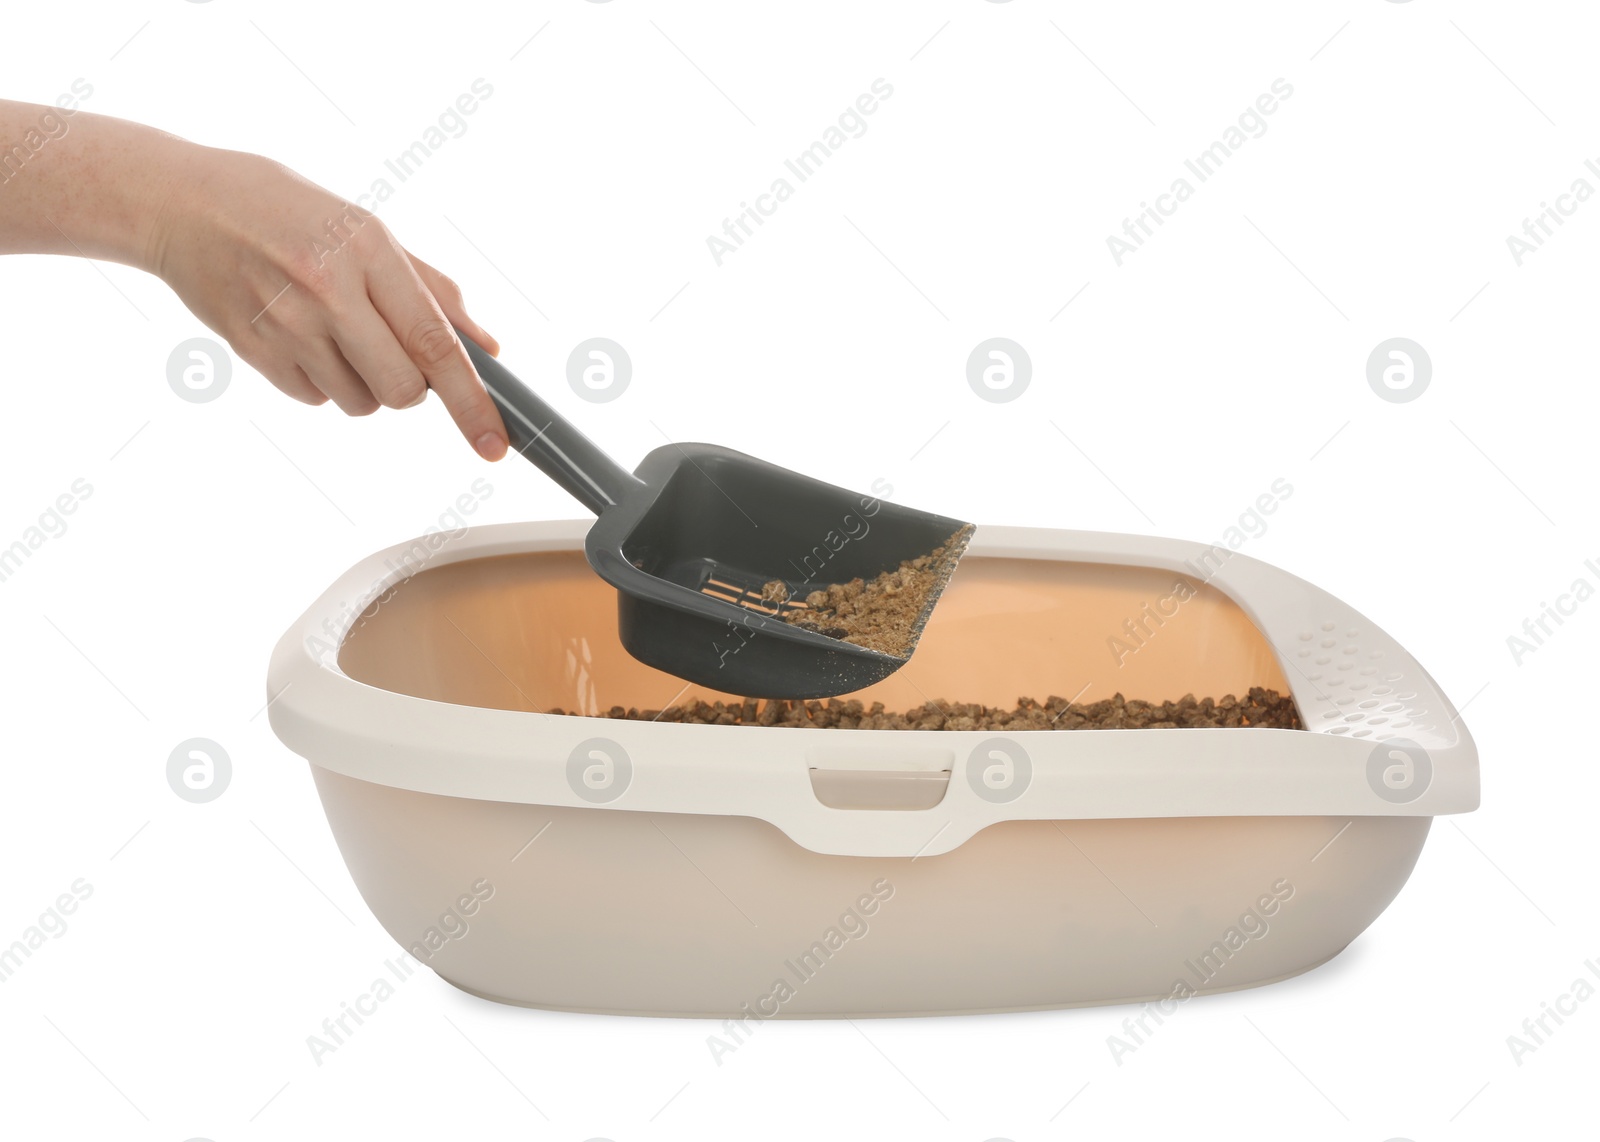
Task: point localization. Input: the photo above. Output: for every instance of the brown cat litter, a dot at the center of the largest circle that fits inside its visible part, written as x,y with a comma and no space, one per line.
885,614
1260,708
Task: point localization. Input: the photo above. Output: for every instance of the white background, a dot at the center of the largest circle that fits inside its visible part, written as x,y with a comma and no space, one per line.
1228,352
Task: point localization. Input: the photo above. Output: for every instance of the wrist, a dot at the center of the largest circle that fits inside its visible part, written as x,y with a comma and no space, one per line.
101,192
163,201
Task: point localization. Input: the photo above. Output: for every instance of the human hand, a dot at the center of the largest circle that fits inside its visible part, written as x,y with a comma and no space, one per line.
315,293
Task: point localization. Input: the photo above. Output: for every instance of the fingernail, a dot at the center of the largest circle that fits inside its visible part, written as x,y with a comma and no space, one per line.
491,446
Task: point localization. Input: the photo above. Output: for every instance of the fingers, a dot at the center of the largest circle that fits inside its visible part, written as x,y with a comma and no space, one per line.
448,295
367,343
306,365
423,331
291,380
368,326
325,365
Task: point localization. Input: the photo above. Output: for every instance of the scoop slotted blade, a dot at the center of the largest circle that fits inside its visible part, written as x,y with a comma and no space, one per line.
693,535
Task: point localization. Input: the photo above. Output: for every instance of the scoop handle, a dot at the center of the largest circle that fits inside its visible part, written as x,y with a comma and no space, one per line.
548,440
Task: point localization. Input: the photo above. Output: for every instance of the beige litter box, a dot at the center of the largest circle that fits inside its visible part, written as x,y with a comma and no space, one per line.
632,867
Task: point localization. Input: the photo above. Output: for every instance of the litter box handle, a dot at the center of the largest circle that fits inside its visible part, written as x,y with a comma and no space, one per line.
548,440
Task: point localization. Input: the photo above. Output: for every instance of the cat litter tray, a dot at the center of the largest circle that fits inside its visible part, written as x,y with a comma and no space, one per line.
592,864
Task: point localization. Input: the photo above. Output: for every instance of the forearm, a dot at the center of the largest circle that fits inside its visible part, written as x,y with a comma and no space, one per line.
317,296
76,183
